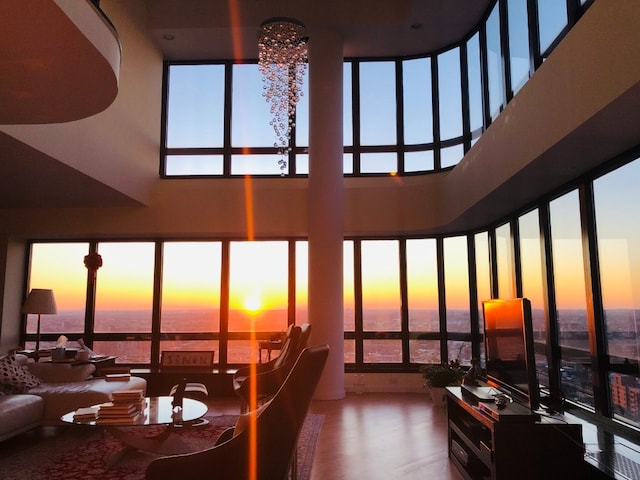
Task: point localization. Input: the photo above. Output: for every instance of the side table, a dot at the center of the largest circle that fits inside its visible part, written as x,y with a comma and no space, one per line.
268,345
102,363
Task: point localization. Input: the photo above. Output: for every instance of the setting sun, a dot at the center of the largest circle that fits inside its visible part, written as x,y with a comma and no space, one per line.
253,303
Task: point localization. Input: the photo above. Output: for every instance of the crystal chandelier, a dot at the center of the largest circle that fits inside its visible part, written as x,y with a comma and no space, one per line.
282,61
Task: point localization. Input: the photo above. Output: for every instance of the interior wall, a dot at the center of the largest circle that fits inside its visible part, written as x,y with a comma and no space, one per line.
362,383
12,255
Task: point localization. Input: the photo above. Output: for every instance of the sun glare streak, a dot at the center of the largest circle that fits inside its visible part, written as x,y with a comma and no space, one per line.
236,37
248,201
248,197
253,405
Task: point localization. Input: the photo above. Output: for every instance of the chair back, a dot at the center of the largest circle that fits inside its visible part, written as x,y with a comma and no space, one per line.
305,333
289,347
278,426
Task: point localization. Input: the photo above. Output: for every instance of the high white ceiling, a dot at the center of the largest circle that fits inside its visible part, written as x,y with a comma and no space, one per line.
204,29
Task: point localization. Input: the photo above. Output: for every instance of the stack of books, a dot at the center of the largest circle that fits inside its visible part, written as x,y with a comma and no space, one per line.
126,407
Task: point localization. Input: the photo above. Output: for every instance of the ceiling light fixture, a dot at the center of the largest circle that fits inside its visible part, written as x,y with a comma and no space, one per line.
282,61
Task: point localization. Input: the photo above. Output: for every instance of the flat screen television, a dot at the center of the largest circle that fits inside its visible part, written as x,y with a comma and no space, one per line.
509,355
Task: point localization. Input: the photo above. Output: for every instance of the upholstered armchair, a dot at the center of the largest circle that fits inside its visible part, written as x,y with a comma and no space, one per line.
269,376
277,427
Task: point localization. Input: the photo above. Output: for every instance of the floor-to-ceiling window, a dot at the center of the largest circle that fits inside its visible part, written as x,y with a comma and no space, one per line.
617,211
422,299
70,290
456,292
190,303
533,286
570,294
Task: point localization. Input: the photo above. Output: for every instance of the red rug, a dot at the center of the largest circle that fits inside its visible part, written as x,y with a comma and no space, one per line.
81,453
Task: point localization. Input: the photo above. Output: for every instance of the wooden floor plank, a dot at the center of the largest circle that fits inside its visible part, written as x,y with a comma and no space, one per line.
377,436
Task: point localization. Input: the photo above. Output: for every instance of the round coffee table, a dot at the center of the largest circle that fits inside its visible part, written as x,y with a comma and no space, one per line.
157,411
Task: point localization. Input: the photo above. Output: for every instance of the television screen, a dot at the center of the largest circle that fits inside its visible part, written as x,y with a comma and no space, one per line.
509,355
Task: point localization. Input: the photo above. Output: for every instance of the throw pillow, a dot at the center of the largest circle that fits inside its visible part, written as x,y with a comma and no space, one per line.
14,378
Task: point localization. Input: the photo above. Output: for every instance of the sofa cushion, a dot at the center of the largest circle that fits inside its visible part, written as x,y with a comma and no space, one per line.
14,378
50,372
19,413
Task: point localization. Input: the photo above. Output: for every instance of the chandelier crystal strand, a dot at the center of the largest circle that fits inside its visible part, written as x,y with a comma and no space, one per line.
282,61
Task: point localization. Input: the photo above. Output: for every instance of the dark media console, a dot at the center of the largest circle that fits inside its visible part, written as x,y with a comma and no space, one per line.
488,442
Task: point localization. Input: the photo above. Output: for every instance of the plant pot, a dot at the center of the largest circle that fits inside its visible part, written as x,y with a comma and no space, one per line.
438,396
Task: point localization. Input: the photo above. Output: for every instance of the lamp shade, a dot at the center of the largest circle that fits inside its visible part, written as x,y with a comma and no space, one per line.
40,300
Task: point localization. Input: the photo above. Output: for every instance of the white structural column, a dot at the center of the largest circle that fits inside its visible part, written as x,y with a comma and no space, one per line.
326,207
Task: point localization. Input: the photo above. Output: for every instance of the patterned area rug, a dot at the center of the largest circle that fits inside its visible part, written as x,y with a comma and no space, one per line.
83,453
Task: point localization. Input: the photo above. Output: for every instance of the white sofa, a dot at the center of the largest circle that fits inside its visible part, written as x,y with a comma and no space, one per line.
62,388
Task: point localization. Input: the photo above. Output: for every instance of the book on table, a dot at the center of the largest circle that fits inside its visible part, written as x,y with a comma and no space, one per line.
112,408
86,413
117,377
127,396
119,420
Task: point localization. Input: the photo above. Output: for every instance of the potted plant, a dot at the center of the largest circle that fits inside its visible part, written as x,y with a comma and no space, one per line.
437,376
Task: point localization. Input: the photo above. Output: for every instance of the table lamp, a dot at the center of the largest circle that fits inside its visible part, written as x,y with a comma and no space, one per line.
40,301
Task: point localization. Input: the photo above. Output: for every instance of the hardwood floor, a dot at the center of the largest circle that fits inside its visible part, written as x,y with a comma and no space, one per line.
373,436
378,436
382,436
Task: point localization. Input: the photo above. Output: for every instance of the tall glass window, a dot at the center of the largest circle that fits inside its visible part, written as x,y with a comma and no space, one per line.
617,208
450,94
417,101
378,103
124,298
258,293
301,125
195,106
518,43
348,285
483,280
494,63
380,286
302,282
422,285
504,259
250,121
568,270
533,287
69,290
552,18
191,287
195,118
381,300
124,287
476,119
347,102
456,284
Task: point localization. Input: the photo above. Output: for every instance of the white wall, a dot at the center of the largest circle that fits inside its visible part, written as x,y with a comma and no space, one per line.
361,383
